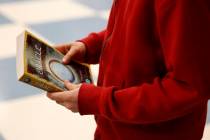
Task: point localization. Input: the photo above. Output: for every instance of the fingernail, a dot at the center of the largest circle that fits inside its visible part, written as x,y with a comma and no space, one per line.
49,95
64,60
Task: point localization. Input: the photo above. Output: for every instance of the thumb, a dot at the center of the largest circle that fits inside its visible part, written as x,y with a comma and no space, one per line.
69,85
67,58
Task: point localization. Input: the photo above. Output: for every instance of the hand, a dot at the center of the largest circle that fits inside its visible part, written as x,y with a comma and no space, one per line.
73,51
68,99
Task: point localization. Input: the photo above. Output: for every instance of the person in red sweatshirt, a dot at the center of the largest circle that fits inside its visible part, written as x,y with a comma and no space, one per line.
154,74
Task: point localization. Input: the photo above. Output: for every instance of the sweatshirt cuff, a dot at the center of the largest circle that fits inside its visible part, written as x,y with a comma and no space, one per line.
90,41
88,99
93,44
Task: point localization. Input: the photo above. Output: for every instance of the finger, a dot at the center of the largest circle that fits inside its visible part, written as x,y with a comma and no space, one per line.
60,103
67,58
48,94
66,104
69,106
63,48
70,86
59,96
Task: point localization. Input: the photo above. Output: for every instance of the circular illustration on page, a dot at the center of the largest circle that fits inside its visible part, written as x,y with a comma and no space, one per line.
62,72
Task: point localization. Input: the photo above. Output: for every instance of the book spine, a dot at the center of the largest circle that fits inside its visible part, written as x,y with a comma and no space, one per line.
38,83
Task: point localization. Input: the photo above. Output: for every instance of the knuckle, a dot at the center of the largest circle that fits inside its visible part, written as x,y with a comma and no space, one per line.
58,102
67,47
69,106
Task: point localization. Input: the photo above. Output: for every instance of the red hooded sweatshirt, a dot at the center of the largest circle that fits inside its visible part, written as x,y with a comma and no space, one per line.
154,75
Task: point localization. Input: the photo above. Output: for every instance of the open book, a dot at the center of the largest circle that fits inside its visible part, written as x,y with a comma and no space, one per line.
40,65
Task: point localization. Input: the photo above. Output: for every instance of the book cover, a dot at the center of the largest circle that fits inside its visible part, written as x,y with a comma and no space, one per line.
40,65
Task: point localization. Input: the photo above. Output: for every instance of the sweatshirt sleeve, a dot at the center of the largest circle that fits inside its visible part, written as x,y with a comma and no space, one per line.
93,43
184,31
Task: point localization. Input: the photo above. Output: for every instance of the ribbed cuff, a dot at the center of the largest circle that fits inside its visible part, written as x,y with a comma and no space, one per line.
88,99
90,41
92,48
93,45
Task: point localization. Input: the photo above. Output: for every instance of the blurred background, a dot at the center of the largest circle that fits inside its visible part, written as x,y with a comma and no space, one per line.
25,112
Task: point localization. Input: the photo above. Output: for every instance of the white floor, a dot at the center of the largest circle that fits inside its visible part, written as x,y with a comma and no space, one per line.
25,112
37,118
